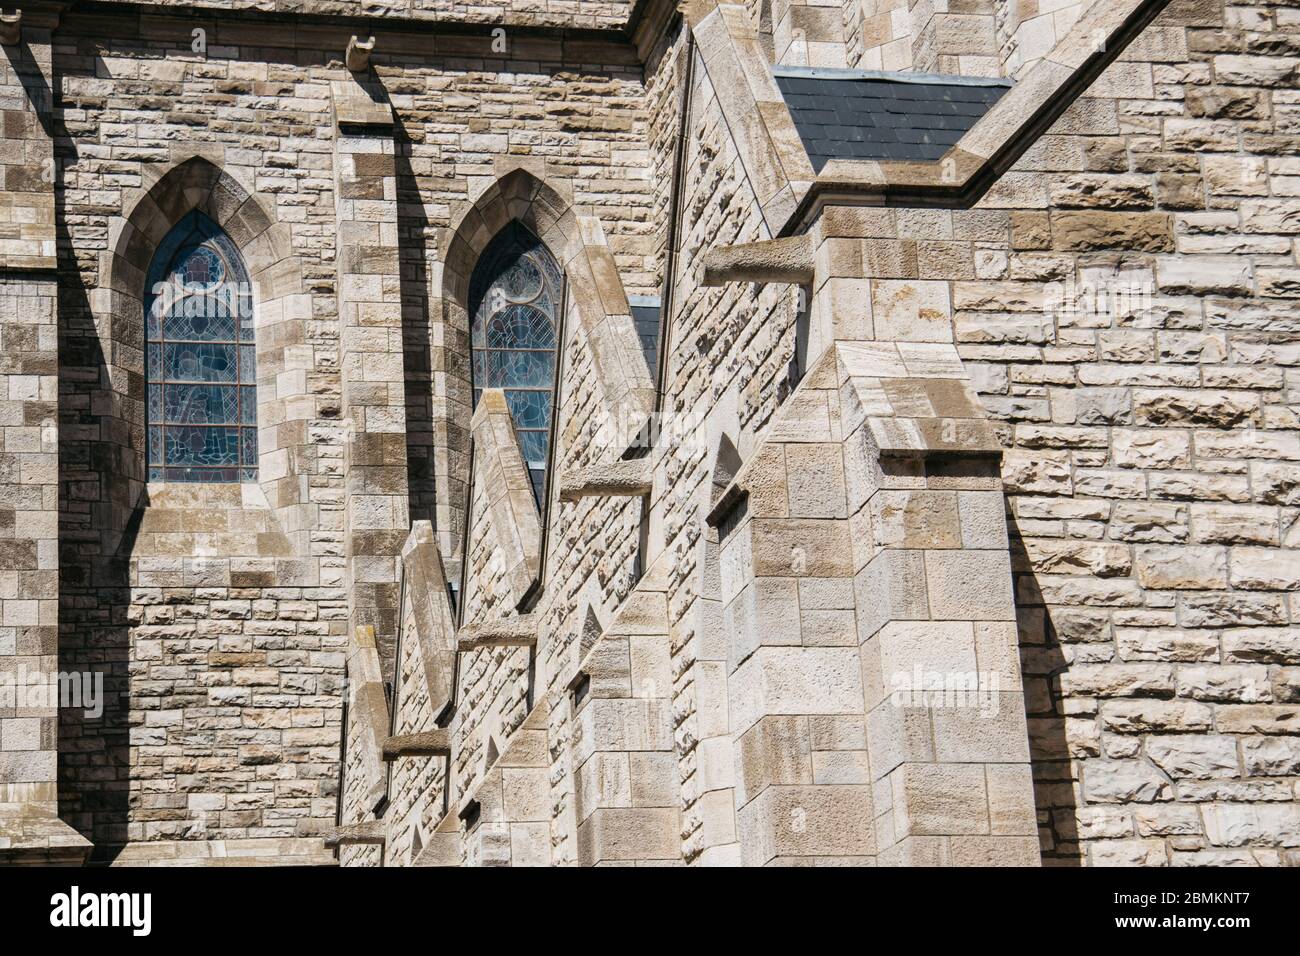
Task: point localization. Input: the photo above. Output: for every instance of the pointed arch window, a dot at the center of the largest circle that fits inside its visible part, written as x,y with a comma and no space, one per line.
516,293
200,360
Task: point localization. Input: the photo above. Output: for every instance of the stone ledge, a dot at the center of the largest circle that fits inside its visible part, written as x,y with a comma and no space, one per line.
428,743
609,480
772,260
371,832
285,851
507,632
362,112
31,837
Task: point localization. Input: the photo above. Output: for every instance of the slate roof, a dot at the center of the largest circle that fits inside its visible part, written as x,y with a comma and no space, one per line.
849,114
645,316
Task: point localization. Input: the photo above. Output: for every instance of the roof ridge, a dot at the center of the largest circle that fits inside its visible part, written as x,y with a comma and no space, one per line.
896,76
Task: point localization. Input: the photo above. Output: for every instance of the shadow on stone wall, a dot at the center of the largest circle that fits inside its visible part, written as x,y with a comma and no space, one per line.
1041,661
413,229
94,586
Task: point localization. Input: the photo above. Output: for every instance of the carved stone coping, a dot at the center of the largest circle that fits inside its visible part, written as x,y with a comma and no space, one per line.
512,509
369,832
916,400
630,479
428,743
507,632
771,260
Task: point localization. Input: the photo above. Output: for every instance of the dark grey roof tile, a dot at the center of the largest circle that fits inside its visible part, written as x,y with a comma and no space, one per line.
879,117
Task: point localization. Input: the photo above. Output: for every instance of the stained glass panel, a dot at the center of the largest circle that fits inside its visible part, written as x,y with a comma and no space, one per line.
201,446
200,364
529,409
197,318
520,327
515,299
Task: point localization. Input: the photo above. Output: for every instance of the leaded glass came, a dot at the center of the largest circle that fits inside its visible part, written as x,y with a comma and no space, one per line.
200,360
514,303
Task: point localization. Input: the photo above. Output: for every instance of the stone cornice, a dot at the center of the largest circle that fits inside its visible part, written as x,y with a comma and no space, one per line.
402,34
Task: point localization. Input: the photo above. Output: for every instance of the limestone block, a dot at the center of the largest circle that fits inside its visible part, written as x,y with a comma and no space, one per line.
911,311
804,821
915,520
775,750
1202,757
801,548
938,799
1181,567
766,612
772,260
629,834
613,724
898,734
425,591
1228,824
891,587
631,478
794,680
1123,781
994,851
815,480
974,585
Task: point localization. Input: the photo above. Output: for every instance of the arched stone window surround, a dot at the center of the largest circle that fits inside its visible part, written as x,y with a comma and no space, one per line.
281,306
596,306
547,213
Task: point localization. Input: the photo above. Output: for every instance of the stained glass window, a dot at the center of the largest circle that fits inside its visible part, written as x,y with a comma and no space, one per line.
200,364
514,301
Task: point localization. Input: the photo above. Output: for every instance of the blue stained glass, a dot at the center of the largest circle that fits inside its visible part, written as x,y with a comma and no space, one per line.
248,452
515,298
532,445
520,369
200,268
537,477
522,281
202,405
551,270
529,409
200,318
200,361
205,446
520,327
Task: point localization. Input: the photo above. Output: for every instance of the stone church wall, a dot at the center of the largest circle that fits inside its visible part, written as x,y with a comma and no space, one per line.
1122,299
235,662
1150,416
